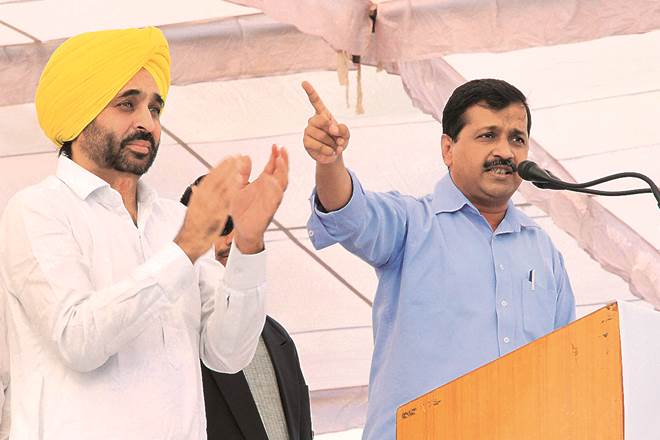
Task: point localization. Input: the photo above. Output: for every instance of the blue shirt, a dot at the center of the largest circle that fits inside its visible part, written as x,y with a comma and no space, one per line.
452,294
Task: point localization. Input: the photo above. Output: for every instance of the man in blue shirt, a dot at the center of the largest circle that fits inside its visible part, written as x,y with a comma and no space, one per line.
464,276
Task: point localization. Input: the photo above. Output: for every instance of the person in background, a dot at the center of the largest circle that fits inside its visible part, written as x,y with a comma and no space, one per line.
269,399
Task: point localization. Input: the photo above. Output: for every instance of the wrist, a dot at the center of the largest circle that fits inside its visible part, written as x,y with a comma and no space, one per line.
331,167
249,245
192,248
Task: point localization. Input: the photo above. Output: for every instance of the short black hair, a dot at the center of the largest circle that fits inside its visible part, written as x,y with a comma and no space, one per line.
65,150
185,199
497,94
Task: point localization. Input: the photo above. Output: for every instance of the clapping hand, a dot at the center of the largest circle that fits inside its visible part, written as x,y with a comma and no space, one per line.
255,204
208,208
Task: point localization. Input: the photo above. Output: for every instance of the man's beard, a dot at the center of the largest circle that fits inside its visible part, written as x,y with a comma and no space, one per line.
104,150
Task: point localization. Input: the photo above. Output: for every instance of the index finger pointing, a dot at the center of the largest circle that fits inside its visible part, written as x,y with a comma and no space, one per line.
315,100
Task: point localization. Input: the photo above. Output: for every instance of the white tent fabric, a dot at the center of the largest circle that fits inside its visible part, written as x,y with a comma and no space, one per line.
594,109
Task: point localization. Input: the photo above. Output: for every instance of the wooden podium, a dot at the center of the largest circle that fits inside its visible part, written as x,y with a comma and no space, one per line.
597,378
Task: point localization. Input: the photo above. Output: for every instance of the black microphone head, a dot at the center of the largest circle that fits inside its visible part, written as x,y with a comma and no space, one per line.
541,178
529,170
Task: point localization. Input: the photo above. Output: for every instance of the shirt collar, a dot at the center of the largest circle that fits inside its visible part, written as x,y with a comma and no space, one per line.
514,220
448,198
146,194
83,182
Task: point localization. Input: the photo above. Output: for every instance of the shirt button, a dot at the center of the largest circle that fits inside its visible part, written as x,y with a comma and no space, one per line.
310,233
501,267
506,340
504,303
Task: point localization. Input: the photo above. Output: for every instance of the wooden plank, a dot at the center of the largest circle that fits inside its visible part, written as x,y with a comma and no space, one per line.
566,385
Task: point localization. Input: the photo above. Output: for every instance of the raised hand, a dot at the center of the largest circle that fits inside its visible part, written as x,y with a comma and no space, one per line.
324,138
209,205
254,206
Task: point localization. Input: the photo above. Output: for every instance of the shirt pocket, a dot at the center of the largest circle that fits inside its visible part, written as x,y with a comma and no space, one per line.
539,306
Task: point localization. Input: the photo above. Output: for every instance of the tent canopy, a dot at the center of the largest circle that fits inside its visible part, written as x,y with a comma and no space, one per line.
590,69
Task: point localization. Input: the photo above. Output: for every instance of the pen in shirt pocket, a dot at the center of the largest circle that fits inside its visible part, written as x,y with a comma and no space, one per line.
532,278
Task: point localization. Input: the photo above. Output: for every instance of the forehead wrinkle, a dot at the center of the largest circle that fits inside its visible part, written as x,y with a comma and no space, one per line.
511,123
142,83
516,131
155,97
129,92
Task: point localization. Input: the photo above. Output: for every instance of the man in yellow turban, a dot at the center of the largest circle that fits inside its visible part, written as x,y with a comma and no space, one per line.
112,296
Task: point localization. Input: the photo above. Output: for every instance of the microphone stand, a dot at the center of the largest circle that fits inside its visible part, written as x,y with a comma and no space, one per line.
553,182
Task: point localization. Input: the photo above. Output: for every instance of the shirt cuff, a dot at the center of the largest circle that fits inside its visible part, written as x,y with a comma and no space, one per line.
172,270
322,227
244,271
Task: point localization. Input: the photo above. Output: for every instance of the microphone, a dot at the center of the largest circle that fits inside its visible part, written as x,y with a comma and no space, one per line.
539,177
544,179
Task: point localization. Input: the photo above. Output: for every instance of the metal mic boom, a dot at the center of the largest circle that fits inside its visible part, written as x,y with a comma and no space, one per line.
544,179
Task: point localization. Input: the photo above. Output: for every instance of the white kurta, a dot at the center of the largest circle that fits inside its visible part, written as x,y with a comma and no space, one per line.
107,321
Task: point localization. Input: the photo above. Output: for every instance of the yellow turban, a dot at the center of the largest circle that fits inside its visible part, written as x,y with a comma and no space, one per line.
87,71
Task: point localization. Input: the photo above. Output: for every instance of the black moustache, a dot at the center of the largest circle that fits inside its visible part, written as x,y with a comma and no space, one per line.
500,163
140,136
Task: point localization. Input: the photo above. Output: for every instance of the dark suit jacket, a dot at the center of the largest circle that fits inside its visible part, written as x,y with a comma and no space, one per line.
231,413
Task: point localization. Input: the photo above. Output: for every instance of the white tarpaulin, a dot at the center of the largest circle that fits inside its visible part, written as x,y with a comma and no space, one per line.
591,71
